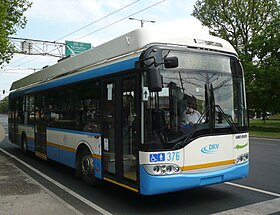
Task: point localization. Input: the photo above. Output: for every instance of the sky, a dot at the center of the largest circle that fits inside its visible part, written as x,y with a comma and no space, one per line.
53,20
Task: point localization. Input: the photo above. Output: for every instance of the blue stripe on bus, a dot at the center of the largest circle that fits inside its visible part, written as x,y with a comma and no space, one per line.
150,184
97,168
65,157
68,158
74,131
105,70
31,145
53,153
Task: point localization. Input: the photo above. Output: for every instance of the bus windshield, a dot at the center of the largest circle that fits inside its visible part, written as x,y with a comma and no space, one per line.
204,95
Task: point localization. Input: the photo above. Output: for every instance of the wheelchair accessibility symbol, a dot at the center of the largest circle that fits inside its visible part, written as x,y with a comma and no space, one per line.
157,157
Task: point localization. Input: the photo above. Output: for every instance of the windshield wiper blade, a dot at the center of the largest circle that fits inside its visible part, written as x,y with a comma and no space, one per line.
230,122
185,139
182,141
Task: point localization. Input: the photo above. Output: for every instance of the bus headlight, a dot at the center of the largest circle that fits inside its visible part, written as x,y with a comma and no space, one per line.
242,158
162,169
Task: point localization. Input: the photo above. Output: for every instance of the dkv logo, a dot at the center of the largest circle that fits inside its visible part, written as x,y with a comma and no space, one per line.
210,149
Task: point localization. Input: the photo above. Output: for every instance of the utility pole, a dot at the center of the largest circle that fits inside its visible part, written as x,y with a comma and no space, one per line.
142,21
38,47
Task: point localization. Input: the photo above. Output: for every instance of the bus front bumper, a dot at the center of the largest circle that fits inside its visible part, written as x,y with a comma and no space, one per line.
151,185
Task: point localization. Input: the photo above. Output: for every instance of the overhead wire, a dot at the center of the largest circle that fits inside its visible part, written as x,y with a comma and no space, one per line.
25,62
17,60
15,71
104,17
121,19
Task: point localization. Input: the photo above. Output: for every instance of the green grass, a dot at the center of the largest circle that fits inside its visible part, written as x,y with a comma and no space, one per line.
267,128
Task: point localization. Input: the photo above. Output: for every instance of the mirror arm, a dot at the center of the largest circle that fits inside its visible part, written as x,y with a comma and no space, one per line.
143,60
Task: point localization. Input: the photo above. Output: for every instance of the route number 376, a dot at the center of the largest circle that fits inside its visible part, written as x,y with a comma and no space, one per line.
172,156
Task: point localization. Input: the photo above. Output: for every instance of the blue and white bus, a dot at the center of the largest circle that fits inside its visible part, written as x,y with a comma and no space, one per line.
118,112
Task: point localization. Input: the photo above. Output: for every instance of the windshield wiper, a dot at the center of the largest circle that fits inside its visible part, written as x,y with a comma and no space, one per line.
185,139
230,122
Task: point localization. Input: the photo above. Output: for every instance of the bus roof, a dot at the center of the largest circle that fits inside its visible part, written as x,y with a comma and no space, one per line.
122,47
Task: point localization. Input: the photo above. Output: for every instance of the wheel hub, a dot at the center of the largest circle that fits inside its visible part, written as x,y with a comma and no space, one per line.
87,165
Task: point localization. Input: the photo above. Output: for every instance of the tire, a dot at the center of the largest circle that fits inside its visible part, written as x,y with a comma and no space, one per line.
24,146
86,167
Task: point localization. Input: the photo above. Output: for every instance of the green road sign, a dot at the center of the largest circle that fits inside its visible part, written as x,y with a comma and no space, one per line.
73,48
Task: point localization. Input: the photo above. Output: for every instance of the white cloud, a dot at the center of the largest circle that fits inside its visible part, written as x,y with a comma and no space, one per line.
53,19
191,25
75,11
66,11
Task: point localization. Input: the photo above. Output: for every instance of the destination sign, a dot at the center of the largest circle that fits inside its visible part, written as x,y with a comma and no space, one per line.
197,61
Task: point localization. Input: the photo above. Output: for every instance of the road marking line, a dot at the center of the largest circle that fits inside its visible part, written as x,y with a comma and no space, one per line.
253,189
265,207
71,192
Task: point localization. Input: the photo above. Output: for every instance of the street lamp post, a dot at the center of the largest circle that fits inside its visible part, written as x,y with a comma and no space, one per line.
142,21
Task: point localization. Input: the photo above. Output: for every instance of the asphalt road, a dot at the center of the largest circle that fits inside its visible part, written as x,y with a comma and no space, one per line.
261,189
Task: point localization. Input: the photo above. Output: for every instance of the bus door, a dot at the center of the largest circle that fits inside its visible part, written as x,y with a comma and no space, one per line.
40,128
13,121
120,157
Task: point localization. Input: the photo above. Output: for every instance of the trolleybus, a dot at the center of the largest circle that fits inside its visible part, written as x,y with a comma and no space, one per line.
121,112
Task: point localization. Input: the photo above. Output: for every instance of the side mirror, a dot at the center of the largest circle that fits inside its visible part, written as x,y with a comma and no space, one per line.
171,62
155,80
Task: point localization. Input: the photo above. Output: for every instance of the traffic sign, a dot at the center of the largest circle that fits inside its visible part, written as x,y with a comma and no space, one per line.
74,48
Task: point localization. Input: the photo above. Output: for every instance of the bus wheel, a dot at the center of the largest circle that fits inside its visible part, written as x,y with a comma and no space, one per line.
24,146
87,167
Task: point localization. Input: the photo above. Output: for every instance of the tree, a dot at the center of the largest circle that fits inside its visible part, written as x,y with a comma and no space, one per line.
264,88
4,106
253,28
11,19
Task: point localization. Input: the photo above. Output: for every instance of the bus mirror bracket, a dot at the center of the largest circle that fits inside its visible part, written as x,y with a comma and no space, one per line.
153,71
150,64
143,62
154,75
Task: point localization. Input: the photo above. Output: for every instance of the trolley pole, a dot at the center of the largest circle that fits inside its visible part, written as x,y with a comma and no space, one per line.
142,21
